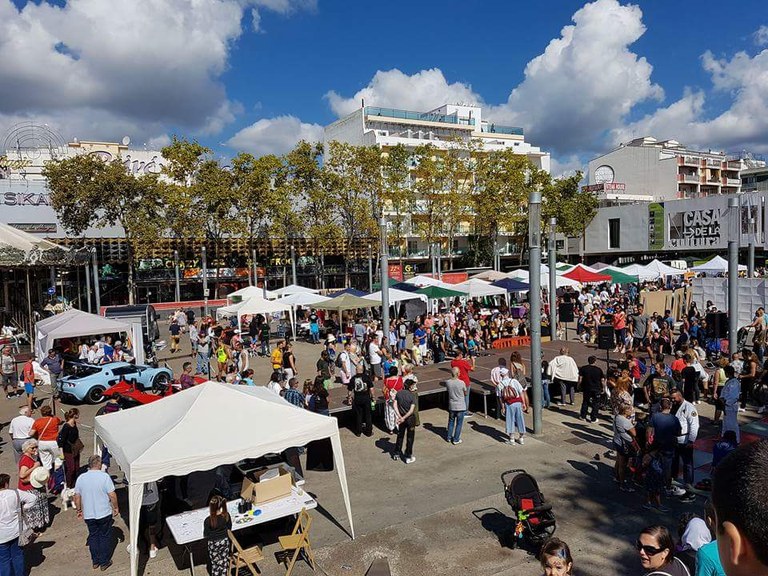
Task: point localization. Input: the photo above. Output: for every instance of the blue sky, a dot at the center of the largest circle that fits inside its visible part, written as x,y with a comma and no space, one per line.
259,74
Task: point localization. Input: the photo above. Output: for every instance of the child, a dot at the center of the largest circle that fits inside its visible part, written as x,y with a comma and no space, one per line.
215,528
654,480
556,558
28,377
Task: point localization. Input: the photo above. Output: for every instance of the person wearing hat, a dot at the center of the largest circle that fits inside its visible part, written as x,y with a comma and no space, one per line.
33,477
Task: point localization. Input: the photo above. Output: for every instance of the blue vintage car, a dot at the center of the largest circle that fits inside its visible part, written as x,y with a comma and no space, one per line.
86,382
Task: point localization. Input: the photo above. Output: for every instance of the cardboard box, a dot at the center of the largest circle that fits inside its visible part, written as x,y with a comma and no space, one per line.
259,490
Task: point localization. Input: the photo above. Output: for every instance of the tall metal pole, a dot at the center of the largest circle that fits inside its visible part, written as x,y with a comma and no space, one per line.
255,269
751,249
551,251
384,281
293,264
96,288
370,269
439,263
322,271
176,272
534,299
88,287
204,263
733,273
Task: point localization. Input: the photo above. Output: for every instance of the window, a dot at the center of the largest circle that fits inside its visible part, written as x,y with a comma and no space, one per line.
614,232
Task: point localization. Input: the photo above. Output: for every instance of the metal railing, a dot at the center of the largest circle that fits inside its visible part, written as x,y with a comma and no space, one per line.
497,129
421,116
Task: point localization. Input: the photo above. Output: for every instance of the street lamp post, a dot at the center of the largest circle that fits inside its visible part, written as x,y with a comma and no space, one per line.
293,264
534,300
96,288
733,273
370,269
204,263
384,281
88,286
176,270
751,249
552,254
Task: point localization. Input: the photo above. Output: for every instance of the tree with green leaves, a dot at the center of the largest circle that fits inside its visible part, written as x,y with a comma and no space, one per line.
458,178
573,207
89,192
429,184
398,194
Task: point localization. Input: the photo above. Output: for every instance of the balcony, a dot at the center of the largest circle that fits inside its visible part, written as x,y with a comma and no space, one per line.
418,116
690,161
690,178
497,129
731,182
732,165
712,163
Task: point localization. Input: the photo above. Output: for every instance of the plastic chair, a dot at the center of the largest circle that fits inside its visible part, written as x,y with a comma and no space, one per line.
298,541
244,557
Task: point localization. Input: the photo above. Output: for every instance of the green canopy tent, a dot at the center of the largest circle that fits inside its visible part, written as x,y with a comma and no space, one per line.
433,292
619,277
390,282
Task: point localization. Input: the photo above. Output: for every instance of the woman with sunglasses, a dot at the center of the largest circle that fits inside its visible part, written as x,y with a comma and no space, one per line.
657,553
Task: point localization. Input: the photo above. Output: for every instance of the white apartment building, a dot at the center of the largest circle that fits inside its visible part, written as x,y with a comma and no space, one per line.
441,127
649,170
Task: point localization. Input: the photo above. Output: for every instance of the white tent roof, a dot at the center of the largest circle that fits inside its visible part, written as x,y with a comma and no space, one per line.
716,265
560,281
73,323
396,295
303,299
652,271
294,289
475,287
24,241
207,426
253,306
251,292
490,275
424,281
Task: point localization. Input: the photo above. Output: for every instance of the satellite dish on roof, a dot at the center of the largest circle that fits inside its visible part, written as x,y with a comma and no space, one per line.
126,140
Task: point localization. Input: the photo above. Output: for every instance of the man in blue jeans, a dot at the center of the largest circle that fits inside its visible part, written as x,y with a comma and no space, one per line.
11,554
96,503
457,407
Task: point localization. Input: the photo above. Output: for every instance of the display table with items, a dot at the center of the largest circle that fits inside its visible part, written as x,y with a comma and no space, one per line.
187,527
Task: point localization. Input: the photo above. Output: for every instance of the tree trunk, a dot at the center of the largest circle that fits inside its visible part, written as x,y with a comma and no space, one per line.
131,283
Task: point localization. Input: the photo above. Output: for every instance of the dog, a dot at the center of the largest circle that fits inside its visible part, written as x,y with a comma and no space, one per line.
67,498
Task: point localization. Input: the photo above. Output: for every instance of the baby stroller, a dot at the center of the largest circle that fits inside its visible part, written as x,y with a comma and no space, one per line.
535,521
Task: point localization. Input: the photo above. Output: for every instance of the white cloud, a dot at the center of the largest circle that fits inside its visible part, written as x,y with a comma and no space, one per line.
567,166
585,82
744,125
761,36
423,90
137,64
274,135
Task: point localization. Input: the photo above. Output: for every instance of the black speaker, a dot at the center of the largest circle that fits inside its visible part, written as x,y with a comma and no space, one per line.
717,324
605,337
565,312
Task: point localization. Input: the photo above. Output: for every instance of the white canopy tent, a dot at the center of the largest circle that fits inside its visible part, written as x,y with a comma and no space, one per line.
251,292
254,306
639,271
206,426
395,296
560,281
425,281
717,265
652,271
294,289
476,288
490,275
71,324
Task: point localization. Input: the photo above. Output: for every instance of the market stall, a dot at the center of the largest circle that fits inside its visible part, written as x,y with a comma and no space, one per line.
74,324
206,426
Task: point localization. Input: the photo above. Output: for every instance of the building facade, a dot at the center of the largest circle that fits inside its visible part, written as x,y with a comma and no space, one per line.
442,128
648,170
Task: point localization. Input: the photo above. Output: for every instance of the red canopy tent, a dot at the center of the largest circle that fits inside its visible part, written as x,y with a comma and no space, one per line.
581,274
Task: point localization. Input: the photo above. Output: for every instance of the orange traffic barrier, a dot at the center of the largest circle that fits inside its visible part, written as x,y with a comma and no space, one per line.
511,342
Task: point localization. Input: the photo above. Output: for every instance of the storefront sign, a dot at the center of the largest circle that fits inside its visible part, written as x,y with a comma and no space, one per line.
26,199
605,187
38,228
395,272
696,228
656,226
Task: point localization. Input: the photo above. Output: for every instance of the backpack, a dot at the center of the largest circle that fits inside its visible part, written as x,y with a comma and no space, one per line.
509,394
642,366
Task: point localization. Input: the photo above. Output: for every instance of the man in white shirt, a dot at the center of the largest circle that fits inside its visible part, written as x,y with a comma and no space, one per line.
564,371
19,429
688,417
496,380
96,503
11,501
374,358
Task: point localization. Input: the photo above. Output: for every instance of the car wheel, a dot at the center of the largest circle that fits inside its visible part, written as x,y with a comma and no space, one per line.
160,383
95,394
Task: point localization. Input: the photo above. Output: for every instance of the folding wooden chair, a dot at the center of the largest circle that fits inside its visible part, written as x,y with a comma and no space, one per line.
297,542
244,557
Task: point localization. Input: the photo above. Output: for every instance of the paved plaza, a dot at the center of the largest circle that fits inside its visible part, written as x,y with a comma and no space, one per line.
443,514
